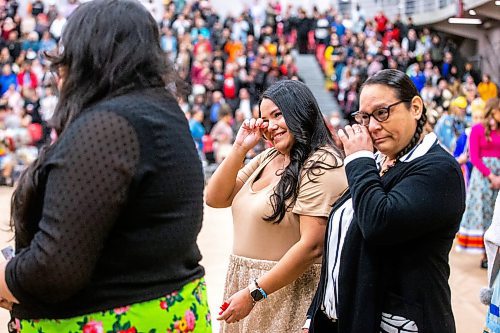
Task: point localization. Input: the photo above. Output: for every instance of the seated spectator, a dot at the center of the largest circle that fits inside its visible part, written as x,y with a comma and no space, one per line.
42,24
245,104
5,57
7,161
381,21
28,25
217,101
487,89
197,129
11,121
14,99
412,45
417,76
470,71
428,92
47,43
57,26
37,8
31,43
7,78
222,134
48,104
181,25
202,46
26,78
468,86
8,27
239,118
169,43
14,45
322,30
288,67
452,124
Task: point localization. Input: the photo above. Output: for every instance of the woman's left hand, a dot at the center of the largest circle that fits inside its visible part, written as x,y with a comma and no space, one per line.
240,305
355,138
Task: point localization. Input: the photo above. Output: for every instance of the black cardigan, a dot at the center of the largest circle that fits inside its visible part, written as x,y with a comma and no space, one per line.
395,255
121,210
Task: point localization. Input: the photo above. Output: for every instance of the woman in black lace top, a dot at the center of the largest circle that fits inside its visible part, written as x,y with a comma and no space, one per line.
106,219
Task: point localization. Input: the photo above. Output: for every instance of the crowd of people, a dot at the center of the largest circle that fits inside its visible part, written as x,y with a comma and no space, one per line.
230,61
462,104
118,118
244,55
27,86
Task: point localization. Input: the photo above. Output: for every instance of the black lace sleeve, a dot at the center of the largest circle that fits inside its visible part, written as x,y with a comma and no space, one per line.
87,185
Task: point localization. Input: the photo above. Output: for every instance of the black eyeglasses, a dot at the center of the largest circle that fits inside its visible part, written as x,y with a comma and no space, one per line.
380,115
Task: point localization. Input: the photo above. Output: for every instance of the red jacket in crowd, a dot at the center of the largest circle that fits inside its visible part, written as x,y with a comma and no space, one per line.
32,82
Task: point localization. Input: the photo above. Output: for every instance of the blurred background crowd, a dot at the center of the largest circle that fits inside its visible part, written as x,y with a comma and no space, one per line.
229,61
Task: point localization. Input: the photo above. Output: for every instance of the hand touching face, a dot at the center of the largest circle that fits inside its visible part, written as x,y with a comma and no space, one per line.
355,138
250,133
277,130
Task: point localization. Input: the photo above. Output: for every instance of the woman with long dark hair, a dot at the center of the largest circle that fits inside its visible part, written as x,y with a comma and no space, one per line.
105,223
280,201
385,262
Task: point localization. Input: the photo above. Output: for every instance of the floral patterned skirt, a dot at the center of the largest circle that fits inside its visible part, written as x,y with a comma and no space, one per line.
182,311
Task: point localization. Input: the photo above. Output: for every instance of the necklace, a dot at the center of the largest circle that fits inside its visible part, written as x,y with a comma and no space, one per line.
281,170
387,165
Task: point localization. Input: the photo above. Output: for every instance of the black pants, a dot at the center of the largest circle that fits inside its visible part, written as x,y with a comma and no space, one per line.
323,324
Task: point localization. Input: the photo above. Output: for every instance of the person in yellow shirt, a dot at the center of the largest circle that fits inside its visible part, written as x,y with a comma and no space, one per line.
487,89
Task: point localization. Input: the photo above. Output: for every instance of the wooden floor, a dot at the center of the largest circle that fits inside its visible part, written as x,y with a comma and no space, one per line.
215,243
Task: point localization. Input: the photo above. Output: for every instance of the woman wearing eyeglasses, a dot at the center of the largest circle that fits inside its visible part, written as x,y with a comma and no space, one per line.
385,262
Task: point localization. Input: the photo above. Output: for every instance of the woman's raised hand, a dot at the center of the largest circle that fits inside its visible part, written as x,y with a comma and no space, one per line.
250,133
355,138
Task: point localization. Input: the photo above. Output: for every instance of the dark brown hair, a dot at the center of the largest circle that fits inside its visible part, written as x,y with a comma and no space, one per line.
306,123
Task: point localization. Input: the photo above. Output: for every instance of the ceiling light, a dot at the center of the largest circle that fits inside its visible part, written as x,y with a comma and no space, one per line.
462,20
497,3
472,12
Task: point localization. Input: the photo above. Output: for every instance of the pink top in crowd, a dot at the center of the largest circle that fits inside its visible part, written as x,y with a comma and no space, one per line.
480,148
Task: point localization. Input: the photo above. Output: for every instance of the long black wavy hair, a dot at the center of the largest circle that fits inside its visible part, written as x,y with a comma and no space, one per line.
306,123
108,48
404,90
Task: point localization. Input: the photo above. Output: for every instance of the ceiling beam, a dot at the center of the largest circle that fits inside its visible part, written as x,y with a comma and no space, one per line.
461,30
488,12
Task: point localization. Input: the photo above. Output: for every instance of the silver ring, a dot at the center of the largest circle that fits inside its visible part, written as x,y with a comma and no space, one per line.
357,130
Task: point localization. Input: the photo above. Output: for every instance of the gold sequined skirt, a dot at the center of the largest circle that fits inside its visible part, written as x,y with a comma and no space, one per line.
284,311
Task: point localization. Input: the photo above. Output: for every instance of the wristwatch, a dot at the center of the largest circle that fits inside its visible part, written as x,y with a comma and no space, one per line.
257,293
